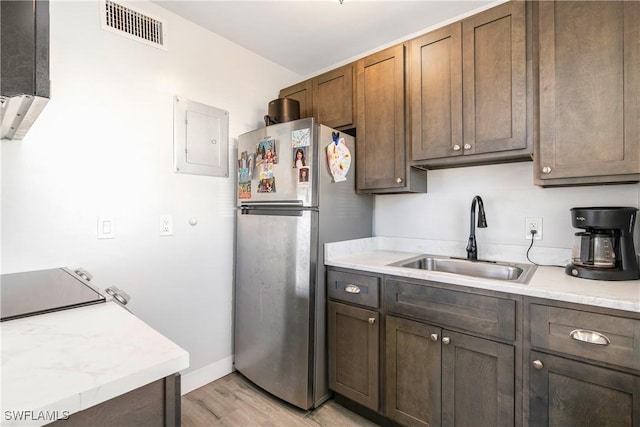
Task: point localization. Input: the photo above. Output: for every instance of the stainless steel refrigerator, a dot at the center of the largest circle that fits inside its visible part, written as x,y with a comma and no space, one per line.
296,191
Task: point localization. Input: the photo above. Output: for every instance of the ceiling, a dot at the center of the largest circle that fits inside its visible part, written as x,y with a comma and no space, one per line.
308,37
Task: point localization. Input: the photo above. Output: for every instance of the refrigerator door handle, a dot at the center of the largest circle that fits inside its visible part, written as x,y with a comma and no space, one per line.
275,203
270,211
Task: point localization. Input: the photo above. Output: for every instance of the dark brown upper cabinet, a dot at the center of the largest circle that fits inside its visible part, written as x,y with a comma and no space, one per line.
468,90
381,133
381,158
589,83
329,97
333,98
436,93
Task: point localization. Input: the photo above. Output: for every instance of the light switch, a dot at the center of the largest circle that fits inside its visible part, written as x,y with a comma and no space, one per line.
106,227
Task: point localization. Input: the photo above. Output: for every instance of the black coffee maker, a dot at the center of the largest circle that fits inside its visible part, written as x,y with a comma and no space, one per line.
604,251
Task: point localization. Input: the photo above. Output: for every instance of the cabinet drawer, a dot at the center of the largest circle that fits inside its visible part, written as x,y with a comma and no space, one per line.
354,288
471,312
569,331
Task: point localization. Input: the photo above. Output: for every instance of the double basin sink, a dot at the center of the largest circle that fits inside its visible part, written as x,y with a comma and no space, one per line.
512,272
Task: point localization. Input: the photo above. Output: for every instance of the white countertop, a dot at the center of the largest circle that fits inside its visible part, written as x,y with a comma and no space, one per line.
73,359
376,253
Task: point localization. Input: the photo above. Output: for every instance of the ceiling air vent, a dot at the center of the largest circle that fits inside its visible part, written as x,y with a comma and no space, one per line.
133,24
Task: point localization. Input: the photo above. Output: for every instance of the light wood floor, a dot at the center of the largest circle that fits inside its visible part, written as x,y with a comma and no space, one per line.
234,401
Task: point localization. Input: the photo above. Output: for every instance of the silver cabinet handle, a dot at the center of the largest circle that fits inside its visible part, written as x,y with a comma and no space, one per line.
446,340
467,146
546,170
372,320
399,180
434,337
537,364
352,289
84,274
456,147
121,296
591,337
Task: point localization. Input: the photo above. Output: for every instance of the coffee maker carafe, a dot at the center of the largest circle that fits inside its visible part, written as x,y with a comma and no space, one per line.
604,251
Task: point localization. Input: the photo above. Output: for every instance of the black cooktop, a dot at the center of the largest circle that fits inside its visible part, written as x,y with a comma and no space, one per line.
43,291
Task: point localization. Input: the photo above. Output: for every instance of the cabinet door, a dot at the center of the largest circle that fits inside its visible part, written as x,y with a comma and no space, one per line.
303,93
381,133
333,97
478,382
436,94
412,367
494,79
566,393
589,89
353,353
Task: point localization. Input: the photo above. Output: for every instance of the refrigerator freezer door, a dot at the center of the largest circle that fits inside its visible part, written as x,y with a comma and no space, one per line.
267,169
274,303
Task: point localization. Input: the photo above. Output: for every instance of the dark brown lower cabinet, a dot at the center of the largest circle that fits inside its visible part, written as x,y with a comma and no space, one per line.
155,404
412,372
353,353
438,377
478,381
568,393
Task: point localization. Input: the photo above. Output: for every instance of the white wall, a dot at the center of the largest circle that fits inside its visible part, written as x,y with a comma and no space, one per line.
509,196
103,146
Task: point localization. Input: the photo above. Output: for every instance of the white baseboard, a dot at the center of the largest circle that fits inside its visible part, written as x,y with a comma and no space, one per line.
203,376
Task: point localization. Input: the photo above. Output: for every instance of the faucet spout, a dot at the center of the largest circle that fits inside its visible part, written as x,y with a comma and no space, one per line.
472,247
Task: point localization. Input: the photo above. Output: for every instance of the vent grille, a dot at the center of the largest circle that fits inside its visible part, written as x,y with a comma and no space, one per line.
133,23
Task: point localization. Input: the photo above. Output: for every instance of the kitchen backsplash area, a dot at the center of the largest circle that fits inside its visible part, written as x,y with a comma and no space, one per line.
443,213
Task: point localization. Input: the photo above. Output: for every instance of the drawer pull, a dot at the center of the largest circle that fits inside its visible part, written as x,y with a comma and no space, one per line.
352,289
372,320
434,337
446,340
537,364
591,337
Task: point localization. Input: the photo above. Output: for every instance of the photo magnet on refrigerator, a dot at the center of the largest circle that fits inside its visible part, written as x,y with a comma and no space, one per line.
299,157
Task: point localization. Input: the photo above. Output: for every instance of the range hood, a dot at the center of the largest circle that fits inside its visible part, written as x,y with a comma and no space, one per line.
24,65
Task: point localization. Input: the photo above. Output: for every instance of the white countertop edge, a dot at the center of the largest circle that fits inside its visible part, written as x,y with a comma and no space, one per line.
374,254
493,285
80,394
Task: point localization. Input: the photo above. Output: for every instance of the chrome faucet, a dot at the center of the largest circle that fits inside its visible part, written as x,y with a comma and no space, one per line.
472,248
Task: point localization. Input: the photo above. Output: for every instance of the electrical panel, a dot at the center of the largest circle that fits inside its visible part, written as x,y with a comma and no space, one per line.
201,138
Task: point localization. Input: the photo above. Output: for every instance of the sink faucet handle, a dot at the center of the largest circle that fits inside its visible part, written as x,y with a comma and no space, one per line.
482,219
472,248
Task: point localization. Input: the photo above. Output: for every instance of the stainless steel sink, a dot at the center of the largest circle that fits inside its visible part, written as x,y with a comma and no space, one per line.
519,273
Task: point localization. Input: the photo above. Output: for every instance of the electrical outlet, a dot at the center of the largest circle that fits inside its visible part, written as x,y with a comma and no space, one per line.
166,225
533,224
